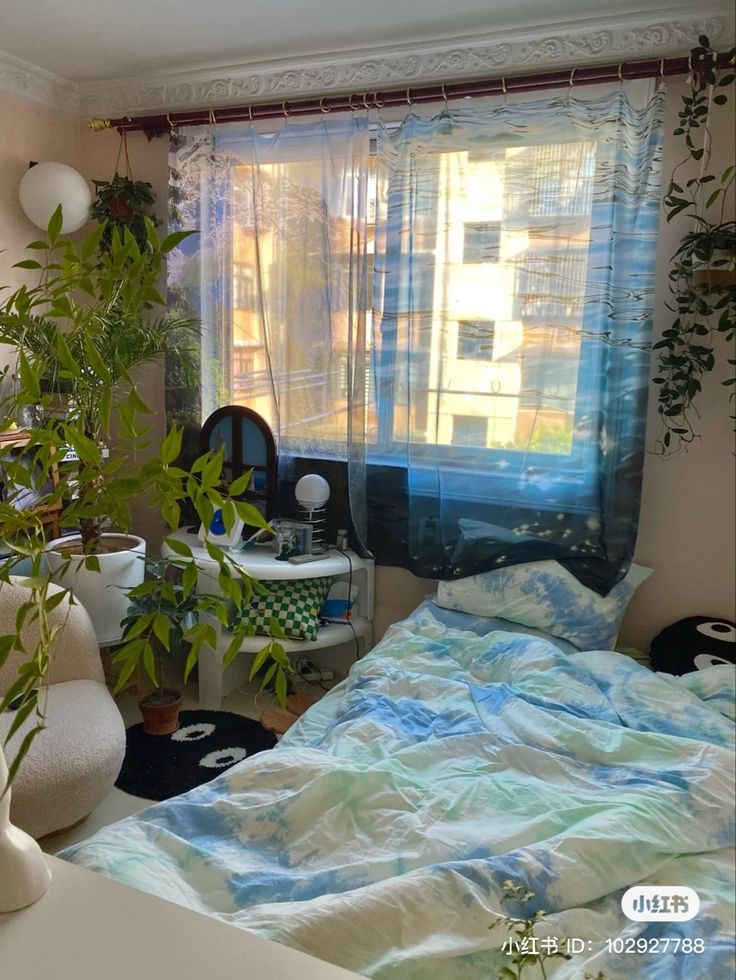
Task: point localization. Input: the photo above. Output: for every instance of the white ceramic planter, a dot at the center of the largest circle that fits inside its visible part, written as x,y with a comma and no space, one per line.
103,594
24,874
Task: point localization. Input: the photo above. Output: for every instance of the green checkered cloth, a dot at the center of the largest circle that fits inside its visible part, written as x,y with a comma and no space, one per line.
295,606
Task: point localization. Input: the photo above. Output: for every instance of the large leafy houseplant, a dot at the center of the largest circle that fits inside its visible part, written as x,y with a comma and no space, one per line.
94,318
702,276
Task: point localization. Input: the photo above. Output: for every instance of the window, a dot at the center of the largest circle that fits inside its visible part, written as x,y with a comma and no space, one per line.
494,342
475,340
469,430
496,357
482,241
244,291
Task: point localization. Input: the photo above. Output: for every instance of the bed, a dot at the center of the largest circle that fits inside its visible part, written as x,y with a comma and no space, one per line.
460,754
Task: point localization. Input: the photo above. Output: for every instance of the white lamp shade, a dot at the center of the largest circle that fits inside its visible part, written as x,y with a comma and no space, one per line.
312,491
48,185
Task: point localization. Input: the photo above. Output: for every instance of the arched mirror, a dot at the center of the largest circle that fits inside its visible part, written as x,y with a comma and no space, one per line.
249,445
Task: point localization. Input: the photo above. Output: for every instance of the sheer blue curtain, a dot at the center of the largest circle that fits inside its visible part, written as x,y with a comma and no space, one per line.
513,289
277,278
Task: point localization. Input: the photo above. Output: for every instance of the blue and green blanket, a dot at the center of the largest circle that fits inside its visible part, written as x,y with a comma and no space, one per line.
379,833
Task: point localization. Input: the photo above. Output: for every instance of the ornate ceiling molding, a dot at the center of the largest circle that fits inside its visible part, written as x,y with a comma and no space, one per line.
38,85
615,39
654,33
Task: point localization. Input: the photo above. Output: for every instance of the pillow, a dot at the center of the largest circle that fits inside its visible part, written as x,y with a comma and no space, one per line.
544,595
294,604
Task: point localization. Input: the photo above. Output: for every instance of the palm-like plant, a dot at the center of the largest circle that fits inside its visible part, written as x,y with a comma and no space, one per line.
85,329
81,333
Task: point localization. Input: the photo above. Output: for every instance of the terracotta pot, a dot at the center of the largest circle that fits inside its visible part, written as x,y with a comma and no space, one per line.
161,717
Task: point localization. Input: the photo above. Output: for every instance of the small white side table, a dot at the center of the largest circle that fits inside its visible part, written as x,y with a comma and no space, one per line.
88,927
261,563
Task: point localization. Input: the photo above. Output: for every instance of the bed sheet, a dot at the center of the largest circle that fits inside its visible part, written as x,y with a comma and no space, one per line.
447,764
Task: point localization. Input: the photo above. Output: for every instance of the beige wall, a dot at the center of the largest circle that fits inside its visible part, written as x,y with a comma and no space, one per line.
28,132
686,529
149,161
687,522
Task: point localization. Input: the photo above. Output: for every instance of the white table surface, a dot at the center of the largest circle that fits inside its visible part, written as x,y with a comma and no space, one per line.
89,927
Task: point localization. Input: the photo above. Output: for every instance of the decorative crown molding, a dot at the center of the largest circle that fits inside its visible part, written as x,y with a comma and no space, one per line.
616,38
38,85
655,33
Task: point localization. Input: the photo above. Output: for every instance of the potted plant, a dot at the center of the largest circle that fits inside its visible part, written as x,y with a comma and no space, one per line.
161,600
91,322
702,276
123,203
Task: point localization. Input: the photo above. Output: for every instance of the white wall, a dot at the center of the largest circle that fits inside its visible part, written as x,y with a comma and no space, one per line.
687,528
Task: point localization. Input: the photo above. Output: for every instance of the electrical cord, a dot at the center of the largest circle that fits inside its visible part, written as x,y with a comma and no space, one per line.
349,609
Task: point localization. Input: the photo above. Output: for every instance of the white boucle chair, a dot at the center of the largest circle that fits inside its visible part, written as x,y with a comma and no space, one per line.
74,762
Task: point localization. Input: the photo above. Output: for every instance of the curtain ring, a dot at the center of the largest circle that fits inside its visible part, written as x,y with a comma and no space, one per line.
620,73
213,118
350,103
504,87
690,63
365,102
172,127
285,110
408,97
378,105
250,114
322,106
571,82
444,93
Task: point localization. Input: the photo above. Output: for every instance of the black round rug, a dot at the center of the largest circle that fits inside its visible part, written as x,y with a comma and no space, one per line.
206,743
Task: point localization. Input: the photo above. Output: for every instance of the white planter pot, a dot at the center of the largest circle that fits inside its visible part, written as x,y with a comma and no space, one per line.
24,874
103,594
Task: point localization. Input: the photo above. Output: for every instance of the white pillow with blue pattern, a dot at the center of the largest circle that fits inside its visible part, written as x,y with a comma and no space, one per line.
545,596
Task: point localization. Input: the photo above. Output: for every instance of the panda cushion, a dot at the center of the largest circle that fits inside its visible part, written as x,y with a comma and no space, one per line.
694,644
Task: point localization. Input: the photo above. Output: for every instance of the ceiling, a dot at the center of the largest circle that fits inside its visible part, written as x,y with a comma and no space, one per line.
85,42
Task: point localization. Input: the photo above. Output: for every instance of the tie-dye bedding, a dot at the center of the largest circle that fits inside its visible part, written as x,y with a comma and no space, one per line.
379,833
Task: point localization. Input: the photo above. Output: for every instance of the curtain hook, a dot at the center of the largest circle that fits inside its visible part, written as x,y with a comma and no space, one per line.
322,106
250,114
571,82
285,110
444,93
172,127
620,73
408,97
213,118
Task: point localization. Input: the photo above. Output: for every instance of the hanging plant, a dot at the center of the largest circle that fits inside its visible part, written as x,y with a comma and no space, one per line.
124,203
702,276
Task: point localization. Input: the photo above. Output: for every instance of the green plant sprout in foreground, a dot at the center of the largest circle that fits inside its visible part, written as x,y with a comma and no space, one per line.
528,952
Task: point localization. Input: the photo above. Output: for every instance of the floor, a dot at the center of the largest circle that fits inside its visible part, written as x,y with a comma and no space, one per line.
247,701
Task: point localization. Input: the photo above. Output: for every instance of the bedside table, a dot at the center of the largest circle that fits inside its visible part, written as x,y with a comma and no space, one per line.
261,563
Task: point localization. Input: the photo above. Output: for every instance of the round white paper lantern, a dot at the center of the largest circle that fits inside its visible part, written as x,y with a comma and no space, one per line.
48,185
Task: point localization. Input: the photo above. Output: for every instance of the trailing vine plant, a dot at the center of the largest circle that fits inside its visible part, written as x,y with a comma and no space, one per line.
702,277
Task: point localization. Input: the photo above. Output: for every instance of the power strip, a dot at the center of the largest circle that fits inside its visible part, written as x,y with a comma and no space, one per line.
308,672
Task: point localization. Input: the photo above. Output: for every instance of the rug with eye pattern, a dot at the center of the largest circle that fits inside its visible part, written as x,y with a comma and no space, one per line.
206,743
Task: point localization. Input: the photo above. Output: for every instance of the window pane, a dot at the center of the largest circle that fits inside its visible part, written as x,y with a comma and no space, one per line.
492,309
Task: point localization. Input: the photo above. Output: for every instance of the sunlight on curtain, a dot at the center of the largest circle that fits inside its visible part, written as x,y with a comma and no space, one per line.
277,277
514,276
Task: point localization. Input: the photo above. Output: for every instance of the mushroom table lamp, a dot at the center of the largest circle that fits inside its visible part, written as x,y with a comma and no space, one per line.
312,493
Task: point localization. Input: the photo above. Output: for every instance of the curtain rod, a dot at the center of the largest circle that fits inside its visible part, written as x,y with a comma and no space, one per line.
158,125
